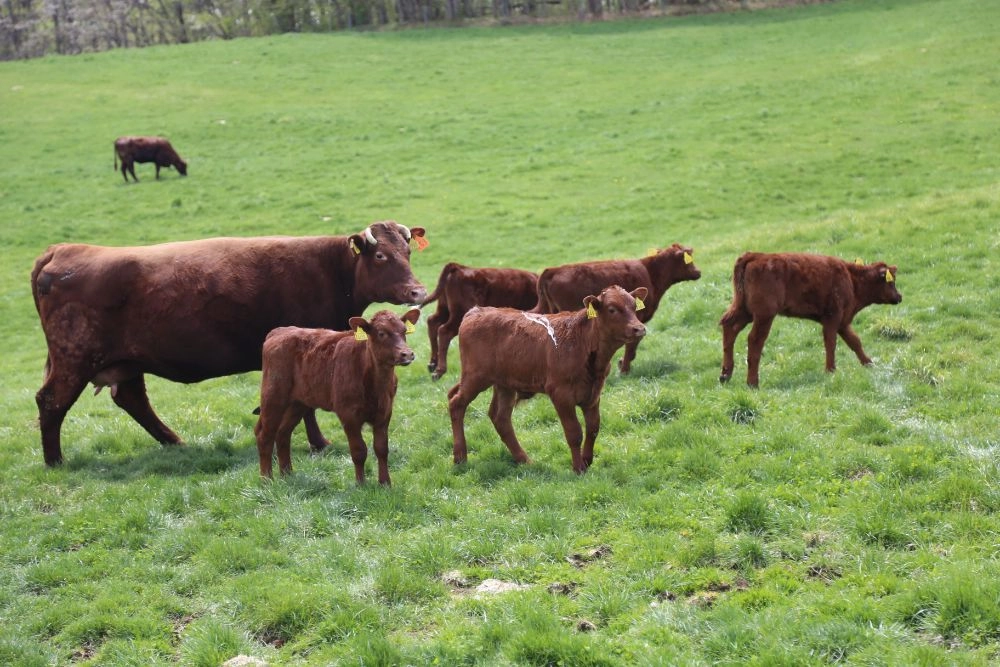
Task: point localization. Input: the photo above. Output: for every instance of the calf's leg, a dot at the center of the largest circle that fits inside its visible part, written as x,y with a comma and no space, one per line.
131,397
359,451
592,421
459,398
433,323
571,428
501,409
317,443
625,363
755,345
380,445
445,334
854,342
733,323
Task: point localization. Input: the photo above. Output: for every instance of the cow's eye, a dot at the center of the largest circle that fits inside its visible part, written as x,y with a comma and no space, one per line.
380,256
612,310
382,335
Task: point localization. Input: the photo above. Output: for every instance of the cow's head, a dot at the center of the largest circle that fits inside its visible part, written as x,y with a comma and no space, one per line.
682,259
386,334
181,167
614,311
382,265
882,279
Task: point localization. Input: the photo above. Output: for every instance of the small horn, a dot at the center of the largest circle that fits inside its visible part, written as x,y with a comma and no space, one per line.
369,236
406,231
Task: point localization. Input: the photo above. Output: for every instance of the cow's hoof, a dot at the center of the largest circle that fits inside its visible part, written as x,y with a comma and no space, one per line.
436,375
723,379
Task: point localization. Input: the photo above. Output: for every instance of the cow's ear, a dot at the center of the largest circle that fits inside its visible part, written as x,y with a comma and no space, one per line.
639,293
357,243
358,323
411,316
592,304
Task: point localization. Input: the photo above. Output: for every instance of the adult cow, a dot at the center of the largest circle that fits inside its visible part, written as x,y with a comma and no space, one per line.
461,288
566,356
147,149
193,310
564,287
824,289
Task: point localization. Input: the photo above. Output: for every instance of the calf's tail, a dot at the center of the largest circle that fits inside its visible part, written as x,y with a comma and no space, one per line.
544,304
739,278
448,269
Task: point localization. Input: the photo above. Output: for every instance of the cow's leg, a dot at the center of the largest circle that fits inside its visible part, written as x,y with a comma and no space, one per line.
731,328
131,397
501,409
264,432
433,323
359,451
380,445
317,443
446,333
124,170
459,398
283,438
131,170
592,420
853,342
157,171
58,393
830,345
566,410
755,345
625,363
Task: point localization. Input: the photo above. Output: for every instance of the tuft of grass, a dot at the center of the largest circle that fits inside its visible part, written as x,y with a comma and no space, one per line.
749,512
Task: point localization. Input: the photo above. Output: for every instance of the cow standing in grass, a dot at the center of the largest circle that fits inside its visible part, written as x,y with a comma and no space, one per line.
566,356
824,289
194,310
563,287
459,289
350,374
147,149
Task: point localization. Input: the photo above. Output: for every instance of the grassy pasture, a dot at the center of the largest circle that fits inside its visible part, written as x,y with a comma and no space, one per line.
847,518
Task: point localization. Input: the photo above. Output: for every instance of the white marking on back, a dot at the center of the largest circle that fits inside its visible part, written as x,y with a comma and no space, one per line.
544,321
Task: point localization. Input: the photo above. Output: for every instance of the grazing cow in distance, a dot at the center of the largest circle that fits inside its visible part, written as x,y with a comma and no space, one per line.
563,287
193,310
350,374
824,289
460,288
566,355
146,149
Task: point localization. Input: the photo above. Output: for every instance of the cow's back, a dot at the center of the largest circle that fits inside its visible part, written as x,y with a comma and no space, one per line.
564,287
793,284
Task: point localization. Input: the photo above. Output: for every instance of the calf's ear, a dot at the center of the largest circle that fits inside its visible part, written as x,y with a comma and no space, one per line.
358,323
591,303
640,293
411,316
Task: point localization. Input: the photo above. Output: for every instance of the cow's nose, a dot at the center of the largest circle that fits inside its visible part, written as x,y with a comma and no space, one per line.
406,358
418,294
639,331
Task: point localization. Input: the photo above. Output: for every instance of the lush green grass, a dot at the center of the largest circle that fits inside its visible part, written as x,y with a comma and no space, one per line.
824,518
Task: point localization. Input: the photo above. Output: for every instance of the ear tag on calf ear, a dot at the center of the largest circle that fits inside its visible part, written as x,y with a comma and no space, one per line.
359,334
888,276
354,247
421,242
859,262
409,327
688,259
651,252
639,305
591,313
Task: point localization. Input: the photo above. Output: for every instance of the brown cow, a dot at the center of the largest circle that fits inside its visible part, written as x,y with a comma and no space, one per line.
147,149
194,310
562,287
566,356
824,289
459,289
351,375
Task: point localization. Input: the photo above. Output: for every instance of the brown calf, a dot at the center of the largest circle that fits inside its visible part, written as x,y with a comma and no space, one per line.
827,290
350,374
566,356
147,149
459,289
563,287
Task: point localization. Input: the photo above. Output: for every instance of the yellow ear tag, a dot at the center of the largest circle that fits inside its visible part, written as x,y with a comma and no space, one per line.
359,334
651,252
421,242
591,313
688,259
409,327
888,276
859,262
354,247
639,305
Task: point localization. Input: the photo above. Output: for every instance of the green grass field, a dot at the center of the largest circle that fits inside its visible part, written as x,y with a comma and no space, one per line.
848,518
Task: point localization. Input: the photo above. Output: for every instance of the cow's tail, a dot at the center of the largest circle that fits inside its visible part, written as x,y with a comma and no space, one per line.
40,283
544,304
739,278
116,158
448,269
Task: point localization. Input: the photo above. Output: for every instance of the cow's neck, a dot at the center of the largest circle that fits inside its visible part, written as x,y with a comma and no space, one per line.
600,349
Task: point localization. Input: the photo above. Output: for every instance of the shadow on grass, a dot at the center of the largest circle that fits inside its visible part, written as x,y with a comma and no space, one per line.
163,460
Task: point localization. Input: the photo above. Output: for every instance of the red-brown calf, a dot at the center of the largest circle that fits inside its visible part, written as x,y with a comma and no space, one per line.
824,289
566,356
305,369
147,149
563,287
459,289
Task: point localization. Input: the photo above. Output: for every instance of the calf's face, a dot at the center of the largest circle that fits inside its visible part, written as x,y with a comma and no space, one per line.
386,333
886,284
614,310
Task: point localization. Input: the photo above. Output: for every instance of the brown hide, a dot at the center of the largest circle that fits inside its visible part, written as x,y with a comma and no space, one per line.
146,149
459,289
564,287
306,369
565,355
824,289
194,310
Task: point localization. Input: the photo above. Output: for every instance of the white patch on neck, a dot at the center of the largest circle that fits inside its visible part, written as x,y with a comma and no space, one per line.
544,321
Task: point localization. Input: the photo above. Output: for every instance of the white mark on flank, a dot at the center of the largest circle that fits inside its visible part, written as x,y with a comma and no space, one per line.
544,321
